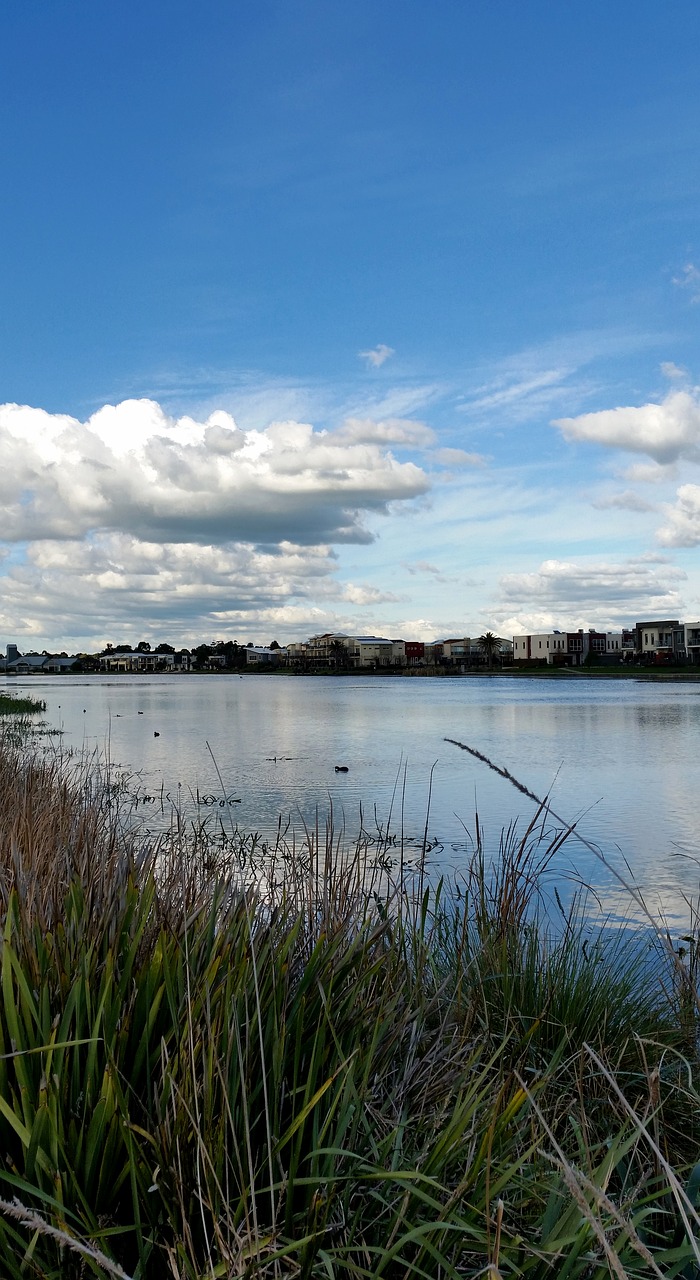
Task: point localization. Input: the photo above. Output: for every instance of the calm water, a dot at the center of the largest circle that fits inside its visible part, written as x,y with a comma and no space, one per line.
621,757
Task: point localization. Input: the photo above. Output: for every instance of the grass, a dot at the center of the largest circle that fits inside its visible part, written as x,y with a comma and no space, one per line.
12,704
217,1064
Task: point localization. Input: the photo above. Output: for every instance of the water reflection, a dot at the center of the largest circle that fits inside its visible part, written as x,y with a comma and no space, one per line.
616,758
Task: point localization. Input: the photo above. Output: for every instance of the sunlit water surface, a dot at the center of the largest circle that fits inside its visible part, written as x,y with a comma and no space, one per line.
619,757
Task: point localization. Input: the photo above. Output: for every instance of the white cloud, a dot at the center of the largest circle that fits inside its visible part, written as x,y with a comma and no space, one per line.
400,431
626,501
674,372
424,566
689,279
96,587
363,595
183,528
527,386
132,468
581,594
649,472
666,431
459,458
683,519
378,355
504,394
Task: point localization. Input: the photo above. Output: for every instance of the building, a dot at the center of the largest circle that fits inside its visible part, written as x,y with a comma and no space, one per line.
26,664
660,641
261,655
568,648
370,652
415,653
139,661
547,646
692,641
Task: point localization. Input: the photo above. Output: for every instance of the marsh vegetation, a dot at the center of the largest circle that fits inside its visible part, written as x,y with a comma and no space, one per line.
316,1071
12,704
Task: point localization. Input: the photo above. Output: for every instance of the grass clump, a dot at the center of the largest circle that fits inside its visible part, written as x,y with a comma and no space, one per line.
322,1076
13,704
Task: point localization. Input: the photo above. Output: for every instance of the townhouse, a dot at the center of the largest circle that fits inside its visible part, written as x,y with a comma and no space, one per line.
651,642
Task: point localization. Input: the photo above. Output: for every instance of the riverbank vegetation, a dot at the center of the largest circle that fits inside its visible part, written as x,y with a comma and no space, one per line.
12,704
222,1061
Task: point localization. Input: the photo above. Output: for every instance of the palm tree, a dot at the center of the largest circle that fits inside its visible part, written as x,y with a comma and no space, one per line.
338,655
490,645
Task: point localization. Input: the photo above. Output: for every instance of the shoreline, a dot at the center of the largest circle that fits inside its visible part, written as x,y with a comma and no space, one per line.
643,674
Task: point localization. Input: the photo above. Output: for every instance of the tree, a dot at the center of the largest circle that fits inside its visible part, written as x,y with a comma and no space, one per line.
165,648
143,647
490,646
200,654
339,655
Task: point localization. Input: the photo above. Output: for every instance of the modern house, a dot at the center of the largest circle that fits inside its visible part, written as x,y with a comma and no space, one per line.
692,641
653,642
258,655
415,653
139,661
568,648
370,652
660,641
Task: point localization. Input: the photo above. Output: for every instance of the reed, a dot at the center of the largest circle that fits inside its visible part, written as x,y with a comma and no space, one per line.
219,1064
13,704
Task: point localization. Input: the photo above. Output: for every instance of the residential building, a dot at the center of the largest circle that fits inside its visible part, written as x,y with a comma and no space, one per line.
545,646
660,641
691,632
370,652
139,661
28,664
415,653
261,655
456,652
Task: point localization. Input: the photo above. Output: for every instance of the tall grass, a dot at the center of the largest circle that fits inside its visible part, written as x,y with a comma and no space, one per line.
322,1074
14,704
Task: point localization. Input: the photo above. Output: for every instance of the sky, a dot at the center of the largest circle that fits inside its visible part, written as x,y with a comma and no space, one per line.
376,318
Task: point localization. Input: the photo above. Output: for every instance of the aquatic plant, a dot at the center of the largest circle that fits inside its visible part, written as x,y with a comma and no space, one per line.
12,704
320,1071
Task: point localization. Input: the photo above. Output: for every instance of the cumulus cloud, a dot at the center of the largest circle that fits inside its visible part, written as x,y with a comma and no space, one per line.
185,527
666,432
378,355
131,467
567,594
683,519
111,582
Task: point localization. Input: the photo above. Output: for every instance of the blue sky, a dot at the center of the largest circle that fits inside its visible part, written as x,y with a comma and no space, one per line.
362,317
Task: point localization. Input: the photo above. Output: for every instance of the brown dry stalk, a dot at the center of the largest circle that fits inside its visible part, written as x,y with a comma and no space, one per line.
28,1218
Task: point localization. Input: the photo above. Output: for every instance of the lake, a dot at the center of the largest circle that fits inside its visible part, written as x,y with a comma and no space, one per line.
620,758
